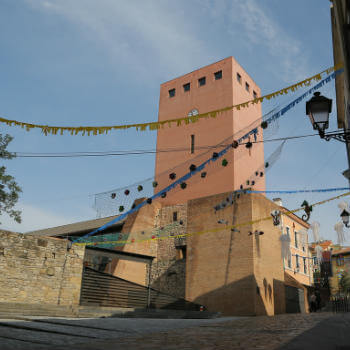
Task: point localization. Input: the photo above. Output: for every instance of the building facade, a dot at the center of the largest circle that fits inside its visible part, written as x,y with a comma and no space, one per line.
222,84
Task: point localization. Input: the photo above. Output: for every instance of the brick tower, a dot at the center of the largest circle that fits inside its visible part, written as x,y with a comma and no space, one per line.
221,84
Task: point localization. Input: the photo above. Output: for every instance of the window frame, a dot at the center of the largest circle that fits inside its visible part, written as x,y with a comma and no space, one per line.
218,75
247,87
239,78
171,91
202,81
185,87
192,143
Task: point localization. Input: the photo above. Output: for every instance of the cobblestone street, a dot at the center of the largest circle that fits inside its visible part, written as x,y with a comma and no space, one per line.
292,331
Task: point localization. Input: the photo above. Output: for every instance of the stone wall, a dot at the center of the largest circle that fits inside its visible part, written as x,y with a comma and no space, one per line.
39,270
168,272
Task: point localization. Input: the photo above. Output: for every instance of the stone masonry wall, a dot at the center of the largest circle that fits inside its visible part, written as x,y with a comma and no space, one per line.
168,271
39,270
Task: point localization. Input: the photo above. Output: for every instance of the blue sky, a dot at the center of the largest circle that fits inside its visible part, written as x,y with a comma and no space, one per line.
88,62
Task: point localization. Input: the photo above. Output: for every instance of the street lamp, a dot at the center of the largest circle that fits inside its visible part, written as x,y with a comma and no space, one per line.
318,109
345,217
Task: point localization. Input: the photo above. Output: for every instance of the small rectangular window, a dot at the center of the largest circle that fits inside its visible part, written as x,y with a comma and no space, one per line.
201,81
172,93
239,78
175,216
297,261
287,231
296,239
247,86
187,87
192,143
305,269
255,95
218,75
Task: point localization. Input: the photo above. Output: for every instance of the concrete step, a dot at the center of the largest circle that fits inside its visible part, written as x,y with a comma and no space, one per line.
8,310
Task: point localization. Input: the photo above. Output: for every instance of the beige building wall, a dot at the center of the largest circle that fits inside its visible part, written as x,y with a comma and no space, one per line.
39,270
294,226
236,273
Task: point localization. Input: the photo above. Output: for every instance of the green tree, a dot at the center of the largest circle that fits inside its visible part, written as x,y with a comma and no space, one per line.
9,190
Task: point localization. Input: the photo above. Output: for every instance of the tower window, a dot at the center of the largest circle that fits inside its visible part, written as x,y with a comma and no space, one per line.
192,143
247,86
201,81
239,78
218,75
172,93
187,87
255,95
175,216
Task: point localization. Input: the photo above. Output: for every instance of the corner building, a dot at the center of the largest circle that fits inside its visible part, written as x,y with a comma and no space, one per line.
221,84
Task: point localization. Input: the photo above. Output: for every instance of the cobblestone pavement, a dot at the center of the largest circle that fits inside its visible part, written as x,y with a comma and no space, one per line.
249,333
284,332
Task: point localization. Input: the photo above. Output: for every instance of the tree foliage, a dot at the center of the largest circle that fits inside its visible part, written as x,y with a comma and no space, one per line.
9,189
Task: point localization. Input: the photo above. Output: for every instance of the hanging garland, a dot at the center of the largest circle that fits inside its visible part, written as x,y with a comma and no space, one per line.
99,130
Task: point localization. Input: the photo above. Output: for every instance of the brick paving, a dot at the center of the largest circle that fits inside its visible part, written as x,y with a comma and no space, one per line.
262,332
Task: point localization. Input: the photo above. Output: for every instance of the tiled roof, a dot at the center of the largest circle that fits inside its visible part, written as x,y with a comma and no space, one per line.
75,228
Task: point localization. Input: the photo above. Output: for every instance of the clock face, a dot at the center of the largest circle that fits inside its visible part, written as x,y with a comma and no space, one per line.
193,112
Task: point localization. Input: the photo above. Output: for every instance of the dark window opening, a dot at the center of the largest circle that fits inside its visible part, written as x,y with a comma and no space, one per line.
239,78
187,87
218,75
247,86
305,269
296,239
172,93
175,216
297,261
201,81
180,253
192,143
255,95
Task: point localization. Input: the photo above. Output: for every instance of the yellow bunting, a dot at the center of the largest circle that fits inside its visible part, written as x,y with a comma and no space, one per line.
217,229
99,130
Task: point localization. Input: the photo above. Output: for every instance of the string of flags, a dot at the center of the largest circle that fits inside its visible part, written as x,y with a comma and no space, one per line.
215,156
108,203
99,130
212,230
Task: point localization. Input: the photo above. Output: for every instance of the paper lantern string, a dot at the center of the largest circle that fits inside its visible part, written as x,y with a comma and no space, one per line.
212,230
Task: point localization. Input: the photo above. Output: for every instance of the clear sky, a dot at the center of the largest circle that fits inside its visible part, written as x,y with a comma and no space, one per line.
88,62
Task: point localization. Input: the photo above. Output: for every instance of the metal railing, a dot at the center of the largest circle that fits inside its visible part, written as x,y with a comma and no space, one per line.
340,303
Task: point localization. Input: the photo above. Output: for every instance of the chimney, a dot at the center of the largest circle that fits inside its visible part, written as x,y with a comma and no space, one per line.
278,201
